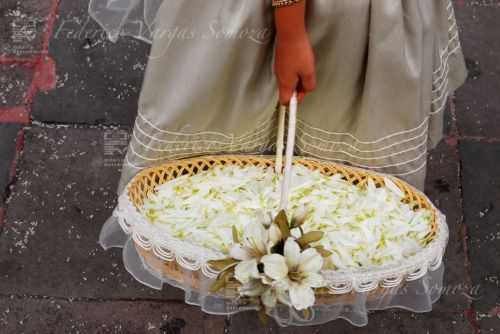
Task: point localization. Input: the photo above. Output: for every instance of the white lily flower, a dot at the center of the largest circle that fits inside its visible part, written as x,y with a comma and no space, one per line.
269,295
253,243
297,271
252,246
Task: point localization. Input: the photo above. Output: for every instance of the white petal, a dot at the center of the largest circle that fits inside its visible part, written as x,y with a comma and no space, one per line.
283,297
310,261
255,237
301,296
394,188
264,217
282,284
275,266
266,279
239,253
314,280
370,184
291,252
246,270
268,298
296,233
274,233
301,212
253,288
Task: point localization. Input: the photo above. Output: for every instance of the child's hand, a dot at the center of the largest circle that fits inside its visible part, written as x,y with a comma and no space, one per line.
294,66
294,58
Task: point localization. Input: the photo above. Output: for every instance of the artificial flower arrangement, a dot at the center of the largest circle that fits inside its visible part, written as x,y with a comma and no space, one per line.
271,258
272,265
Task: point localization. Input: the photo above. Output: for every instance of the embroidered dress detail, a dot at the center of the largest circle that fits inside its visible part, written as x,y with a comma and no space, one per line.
378,105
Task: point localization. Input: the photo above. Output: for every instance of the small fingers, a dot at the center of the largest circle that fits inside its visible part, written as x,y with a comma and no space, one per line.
286,92
285,97
307,83
301,93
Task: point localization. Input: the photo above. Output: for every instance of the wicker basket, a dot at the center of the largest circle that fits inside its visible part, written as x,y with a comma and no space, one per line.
146,181
163,261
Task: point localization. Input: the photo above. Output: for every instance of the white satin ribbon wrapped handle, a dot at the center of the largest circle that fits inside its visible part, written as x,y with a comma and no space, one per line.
290,144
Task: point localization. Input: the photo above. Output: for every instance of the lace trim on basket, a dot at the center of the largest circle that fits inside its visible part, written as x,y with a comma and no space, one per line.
365,279
164,246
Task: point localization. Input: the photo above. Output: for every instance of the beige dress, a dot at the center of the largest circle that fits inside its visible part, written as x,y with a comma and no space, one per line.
384,71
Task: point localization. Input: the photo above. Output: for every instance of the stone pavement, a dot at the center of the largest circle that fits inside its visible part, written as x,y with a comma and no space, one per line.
58,173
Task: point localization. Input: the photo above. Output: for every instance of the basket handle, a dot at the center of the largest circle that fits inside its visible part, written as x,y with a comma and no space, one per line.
290,143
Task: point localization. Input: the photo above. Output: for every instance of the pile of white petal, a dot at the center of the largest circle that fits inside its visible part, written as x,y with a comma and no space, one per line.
363,227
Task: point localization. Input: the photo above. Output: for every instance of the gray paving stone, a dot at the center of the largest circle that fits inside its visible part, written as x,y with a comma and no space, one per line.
479,2
478,107
447,120
23,27
97,81
481,196
386,322
489,325
64,192
58,316
442,188
8,137
15,81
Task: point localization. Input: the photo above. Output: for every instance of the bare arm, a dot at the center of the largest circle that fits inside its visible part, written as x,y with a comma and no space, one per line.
294,59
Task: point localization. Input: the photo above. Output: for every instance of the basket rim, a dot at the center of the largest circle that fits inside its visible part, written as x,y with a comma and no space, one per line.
194,257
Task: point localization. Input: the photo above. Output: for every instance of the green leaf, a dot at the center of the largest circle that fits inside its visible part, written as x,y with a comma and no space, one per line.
222,280
222,264
309,237
263,315
235,235
322,251
282,221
